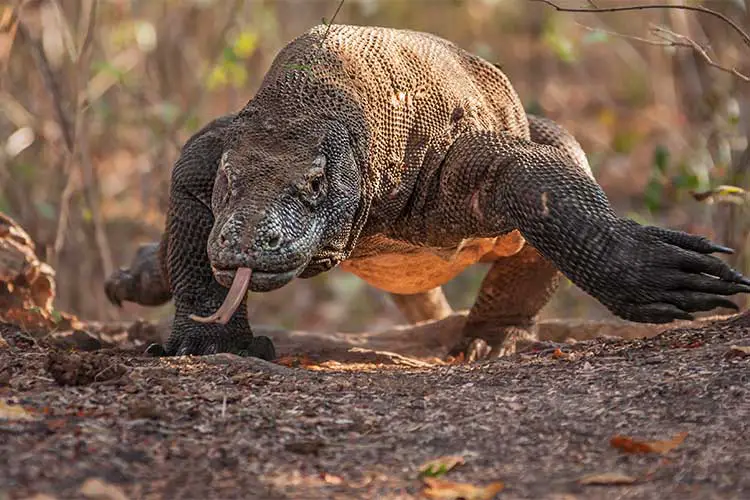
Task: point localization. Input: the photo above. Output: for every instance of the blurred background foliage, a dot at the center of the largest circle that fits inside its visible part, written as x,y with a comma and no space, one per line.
96,98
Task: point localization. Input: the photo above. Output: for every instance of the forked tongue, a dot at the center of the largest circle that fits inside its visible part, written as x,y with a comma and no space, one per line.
236,293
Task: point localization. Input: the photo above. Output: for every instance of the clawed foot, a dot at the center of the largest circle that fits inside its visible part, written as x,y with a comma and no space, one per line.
141,283
256,347
189,338
654,275
488,345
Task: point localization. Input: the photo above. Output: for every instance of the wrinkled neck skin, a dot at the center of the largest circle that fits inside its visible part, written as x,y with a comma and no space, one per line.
289,199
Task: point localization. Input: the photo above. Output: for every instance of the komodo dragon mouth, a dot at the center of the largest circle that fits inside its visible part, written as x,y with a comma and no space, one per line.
237,291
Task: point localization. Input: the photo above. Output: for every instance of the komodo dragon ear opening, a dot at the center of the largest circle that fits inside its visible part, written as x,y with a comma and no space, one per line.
234,297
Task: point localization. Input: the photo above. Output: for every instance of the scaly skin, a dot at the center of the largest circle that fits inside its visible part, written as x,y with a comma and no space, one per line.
405,159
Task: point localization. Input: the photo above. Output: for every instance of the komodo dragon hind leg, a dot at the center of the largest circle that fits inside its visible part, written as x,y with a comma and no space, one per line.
516,288
426,306
505,312
143,282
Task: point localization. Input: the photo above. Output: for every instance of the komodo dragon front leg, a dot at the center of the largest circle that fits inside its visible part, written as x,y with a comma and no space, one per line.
492,183
515,288
185,265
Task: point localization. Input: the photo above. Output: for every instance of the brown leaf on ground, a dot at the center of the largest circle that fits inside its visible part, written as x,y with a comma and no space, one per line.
455,360
294,361
440,466
441,489
14,412
742,350
559,354
607,478
97,489
331,479
631,445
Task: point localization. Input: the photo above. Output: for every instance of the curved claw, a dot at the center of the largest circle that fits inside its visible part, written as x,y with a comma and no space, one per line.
674,276
155,351
721,249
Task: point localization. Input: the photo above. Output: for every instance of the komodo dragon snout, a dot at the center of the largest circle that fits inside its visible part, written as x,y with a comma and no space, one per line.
284,201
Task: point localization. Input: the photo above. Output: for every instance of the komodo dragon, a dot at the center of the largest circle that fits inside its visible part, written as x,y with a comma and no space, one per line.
401,158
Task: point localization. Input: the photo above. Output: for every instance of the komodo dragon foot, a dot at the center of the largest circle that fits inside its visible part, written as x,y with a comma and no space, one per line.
144,284
511,340
189,338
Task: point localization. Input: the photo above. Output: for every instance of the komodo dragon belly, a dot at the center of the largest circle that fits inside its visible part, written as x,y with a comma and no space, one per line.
397,267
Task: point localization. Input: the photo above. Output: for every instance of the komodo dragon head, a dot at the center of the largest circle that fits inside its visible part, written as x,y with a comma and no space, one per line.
284,201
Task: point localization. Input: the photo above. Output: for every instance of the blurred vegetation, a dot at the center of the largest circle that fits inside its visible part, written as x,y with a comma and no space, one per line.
96,98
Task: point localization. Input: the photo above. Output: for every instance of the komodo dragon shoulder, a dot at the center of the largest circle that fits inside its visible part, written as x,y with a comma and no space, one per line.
404,159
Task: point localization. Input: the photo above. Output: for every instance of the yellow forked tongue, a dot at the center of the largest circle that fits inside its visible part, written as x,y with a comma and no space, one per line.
237,292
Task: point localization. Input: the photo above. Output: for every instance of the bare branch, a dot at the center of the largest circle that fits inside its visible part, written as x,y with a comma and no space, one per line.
329,23
678,40
668,38
694,8
50,83
71,131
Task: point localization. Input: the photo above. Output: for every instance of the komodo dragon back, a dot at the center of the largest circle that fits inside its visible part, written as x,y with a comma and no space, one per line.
403,95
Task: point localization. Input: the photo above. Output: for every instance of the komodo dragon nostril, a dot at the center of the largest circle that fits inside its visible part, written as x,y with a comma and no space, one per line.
223,240
273,241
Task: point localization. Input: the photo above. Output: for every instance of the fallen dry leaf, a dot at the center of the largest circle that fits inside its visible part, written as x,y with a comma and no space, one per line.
455,360
440,466
605,478
441,489
294,361
100,490
741,349
559,354
14,412
331,479
630,445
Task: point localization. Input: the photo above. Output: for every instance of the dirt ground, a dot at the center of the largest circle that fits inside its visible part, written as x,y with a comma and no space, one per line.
352,422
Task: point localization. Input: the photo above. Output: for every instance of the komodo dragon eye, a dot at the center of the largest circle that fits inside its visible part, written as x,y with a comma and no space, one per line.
222,186
314,186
